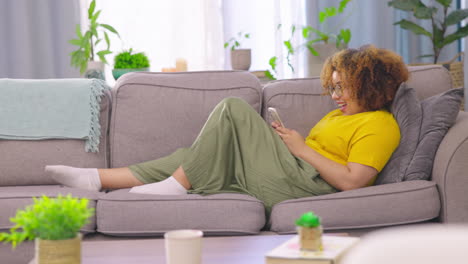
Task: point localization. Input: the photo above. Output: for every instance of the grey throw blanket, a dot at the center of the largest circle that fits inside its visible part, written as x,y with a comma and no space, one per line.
51,108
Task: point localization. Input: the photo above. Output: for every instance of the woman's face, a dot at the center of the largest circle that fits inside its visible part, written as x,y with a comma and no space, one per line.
342,97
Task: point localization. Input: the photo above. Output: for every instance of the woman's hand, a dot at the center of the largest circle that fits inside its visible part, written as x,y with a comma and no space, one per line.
293,140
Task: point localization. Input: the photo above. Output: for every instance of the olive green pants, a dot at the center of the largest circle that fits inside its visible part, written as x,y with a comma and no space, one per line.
237,151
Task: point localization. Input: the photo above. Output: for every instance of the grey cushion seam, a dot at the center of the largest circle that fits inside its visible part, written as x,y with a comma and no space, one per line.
278,94
195,72
370,226
108,94
164,231
30,197
360,196
8,227
259,93
293,80
430,68
184,200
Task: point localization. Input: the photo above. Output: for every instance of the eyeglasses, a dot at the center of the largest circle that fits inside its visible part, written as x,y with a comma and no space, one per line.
337,89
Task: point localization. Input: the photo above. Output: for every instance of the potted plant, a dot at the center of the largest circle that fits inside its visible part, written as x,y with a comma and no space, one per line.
53,224
440,21
320,43
241,59
84,57
310,231
125,62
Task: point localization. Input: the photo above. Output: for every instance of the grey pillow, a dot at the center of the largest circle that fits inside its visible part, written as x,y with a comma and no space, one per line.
439,113
408,113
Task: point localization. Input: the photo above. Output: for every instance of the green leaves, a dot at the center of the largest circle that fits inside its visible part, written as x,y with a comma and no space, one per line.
311,36
110,28
236,42
456,16
459,34
445,3
91,8
308,219
127,60
272,62
440,21
50,219
88,40
416,29
288,45
344,36
405,5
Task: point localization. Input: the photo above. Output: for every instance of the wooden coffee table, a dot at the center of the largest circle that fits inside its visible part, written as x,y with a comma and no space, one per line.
216,250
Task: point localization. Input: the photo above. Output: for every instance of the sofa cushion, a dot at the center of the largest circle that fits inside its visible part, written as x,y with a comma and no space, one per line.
407,111
382,205
156,113
439,113
299,102
14,198
128,214
23,161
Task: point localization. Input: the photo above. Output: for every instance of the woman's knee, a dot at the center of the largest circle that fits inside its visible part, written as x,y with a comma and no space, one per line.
236,104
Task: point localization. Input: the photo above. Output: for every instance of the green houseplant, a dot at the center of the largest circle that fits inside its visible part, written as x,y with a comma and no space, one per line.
241,59
319,43
89,39
440,17
125,62
310,231
52,222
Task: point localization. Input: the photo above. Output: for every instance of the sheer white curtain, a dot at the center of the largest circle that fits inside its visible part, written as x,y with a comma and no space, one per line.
165,30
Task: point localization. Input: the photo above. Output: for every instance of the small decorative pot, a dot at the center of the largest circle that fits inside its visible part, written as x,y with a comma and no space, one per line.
241,59
95,70
58,251
310,238
119,72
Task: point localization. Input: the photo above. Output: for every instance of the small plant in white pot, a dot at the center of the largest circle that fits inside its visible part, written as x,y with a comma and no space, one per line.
241,59
54,223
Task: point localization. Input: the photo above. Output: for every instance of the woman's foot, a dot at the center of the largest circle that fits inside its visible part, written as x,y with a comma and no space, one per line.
169,186
84,178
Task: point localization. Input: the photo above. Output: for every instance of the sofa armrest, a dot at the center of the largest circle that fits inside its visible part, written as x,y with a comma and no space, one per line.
450,172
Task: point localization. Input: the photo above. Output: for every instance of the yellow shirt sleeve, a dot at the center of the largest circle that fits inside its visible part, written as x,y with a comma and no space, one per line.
374,144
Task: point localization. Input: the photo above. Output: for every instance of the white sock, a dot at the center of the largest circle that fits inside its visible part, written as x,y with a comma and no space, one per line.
169,186
84,178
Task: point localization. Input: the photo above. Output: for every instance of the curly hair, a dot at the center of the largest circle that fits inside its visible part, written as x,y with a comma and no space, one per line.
370,74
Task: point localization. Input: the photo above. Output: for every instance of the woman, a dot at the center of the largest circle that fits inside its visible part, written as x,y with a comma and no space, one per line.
236,151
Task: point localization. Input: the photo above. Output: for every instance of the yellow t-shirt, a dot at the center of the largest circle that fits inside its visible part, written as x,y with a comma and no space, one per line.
367,138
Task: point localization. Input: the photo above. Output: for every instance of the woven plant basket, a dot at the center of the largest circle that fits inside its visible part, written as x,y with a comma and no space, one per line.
58,251
455,68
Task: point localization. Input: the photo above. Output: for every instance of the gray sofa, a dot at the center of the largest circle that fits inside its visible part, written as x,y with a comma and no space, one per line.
149,115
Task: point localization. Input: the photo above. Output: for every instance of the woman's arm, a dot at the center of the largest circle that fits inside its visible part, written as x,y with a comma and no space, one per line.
343,177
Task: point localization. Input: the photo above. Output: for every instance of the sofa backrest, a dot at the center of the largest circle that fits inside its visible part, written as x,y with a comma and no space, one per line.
301,105
429,80
299,102
22,162
156,113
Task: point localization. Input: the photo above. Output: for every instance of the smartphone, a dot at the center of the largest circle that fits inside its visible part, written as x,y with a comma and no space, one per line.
275,116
